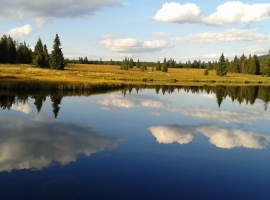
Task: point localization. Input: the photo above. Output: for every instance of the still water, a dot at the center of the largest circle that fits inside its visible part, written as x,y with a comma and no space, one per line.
159,143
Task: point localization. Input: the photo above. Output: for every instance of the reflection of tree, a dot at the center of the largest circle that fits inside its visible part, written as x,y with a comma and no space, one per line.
6,102
157,88
251,93
164,89
39,101
220,94
56,101
264,94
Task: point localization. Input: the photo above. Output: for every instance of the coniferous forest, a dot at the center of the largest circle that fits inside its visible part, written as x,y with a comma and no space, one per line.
13,52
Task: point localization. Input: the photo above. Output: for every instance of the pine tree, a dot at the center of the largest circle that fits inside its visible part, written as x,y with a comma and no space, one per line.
164,67
46,57
38,56
131,63
158,66
221,69
138,64
56,57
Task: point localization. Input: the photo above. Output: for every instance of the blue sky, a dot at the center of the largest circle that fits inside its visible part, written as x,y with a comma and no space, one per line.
149,30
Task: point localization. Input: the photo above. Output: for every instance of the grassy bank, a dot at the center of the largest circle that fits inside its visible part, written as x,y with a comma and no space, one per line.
89,77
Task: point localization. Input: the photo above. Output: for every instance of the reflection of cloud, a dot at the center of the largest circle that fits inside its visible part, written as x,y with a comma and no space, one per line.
157,114
220,137
227,138
170,134
221,115
36,145
25,108
133,101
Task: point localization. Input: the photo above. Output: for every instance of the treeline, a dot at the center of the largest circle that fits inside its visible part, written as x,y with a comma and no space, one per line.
13,52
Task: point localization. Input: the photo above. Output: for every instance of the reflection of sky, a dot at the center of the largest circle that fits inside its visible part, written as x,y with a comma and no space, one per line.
37,144
24,108
218,136
175,103
140,163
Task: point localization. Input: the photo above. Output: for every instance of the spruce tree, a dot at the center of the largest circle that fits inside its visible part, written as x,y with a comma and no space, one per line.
38,55
138,64
221,69
56,57
158,66
164,66
46,57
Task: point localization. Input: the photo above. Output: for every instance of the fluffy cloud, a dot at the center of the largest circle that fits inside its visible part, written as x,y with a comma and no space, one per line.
218,136
19,32
231,12
237,12
130,45
133,101
25,108
231,35
38,144
46,10
177,13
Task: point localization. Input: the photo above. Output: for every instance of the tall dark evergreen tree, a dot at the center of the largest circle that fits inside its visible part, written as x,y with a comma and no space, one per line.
38,55
158,66
46,57
266,67
138,64
57,60
11,50
221,69
164,67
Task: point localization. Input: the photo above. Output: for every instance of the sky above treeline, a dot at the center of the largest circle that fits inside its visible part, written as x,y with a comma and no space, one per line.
148,30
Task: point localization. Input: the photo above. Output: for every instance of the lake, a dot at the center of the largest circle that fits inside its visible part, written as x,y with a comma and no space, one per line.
162,142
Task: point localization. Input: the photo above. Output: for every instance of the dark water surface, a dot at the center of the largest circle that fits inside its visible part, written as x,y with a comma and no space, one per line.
202,144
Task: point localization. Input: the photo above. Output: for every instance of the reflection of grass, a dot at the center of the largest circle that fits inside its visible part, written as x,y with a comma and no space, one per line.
112,75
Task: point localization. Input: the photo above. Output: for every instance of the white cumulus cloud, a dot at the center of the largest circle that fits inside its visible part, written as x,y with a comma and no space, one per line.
231,12
177,13
19,32
130,45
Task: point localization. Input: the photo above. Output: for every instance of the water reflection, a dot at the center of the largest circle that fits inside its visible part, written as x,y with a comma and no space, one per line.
238,93
220,137
38,144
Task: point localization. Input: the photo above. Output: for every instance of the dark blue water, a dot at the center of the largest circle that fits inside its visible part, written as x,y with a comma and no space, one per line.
135,146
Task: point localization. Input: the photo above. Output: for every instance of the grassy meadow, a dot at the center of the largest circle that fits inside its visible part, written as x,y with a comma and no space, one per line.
111,75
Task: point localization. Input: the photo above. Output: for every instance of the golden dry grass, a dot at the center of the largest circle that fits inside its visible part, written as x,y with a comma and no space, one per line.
83,73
